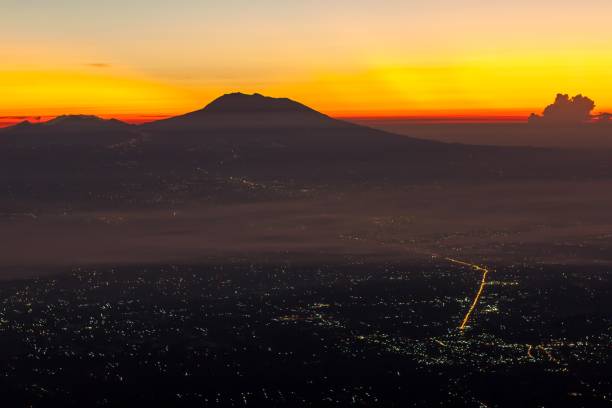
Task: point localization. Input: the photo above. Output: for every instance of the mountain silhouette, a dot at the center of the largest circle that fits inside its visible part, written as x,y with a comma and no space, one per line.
243,103
263,137
238,110
234,118
277,138
241,130
67,130
239,133
235,124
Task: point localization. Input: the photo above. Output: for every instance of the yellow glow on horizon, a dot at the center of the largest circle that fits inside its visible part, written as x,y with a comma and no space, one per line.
57,91
359,58
504,85
512,85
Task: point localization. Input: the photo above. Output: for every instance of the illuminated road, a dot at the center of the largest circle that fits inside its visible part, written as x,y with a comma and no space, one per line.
483,282
549,355
475,267
440,343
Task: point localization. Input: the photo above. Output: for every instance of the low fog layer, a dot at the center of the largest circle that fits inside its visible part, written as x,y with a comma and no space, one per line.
535,222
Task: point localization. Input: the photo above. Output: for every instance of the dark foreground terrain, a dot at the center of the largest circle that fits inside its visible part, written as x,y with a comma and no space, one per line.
581,137
259,253
343,334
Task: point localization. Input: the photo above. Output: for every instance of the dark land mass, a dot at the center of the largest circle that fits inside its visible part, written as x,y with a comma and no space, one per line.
267,177
588,136
342,334
259,253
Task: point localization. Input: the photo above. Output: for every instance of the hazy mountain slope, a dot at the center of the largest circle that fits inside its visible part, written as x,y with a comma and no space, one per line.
68,130
244,146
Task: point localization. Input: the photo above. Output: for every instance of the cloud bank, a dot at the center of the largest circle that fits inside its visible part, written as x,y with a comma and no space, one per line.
566,110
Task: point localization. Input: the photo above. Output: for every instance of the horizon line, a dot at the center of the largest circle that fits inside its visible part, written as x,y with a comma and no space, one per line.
138,119
441,115
420,117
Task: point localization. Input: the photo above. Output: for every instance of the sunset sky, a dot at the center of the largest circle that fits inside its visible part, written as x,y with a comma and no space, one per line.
143,58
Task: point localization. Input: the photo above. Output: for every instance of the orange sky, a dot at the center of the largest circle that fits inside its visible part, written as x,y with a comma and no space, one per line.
145,59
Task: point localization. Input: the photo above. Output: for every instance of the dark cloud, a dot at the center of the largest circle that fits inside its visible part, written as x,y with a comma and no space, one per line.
566,110
98,65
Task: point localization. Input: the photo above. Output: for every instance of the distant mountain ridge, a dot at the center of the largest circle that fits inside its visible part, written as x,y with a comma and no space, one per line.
244,125
67,130
276,141
239,102
69,122
74,120
232,121
238,110
232,110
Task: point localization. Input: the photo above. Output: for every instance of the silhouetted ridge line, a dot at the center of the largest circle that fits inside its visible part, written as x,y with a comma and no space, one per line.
68,130
71,121
82,120
250,123
243,103
238,110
